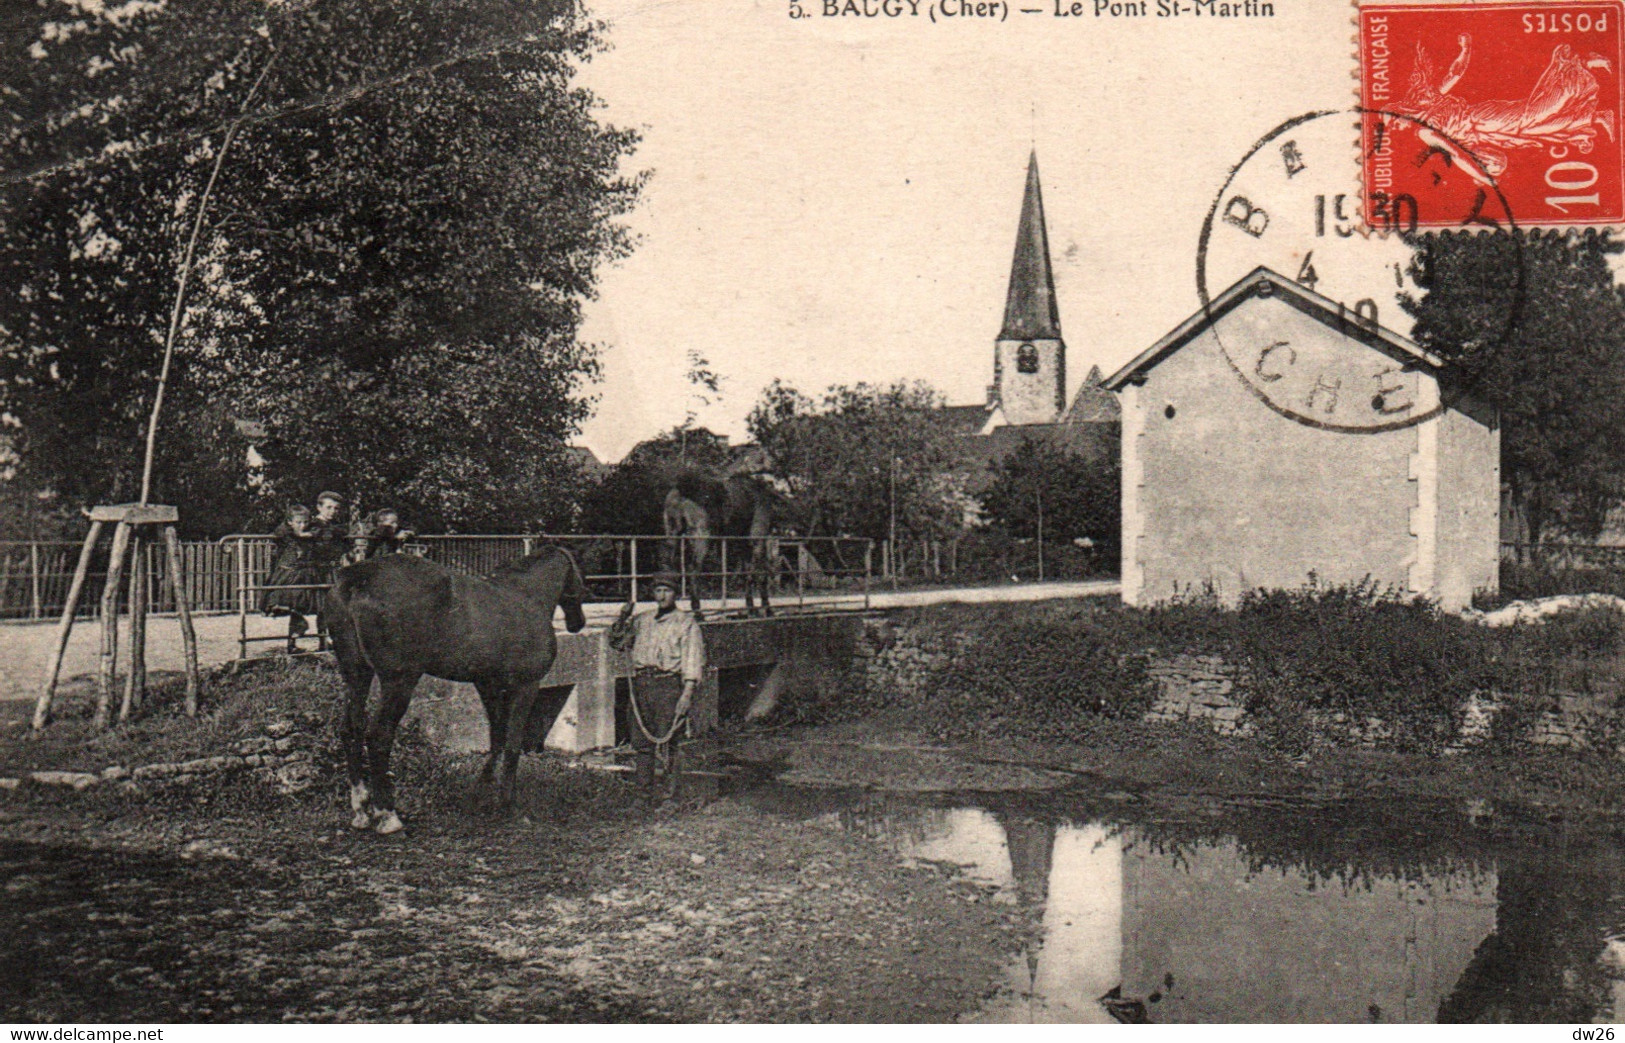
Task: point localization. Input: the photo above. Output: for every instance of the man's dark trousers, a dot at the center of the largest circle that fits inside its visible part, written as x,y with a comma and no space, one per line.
656,692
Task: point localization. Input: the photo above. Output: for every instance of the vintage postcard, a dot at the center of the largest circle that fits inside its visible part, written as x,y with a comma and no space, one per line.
811,511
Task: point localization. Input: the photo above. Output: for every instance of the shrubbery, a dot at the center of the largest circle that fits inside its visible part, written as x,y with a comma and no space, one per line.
1351,662
1350,656
1042,678
1321,664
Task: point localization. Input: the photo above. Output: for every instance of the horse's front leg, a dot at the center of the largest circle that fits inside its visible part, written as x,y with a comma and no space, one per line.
394,695
495,698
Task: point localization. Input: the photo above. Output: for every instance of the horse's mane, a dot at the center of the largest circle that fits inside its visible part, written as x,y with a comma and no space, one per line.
706,489
521,566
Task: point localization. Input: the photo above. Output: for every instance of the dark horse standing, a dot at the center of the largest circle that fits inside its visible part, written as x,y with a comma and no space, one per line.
700,507
400,617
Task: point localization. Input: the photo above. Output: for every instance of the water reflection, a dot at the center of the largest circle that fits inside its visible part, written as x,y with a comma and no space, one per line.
1179,923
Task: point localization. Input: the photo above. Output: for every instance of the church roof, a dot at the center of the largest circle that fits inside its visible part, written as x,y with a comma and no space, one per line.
1093,404
1029,308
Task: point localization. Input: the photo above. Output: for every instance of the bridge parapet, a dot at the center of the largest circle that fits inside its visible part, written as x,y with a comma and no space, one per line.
749,661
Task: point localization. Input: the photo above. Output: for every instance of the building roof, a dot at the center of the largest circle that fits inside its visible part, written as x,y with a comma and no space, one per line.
585,459
1029,308
1093,404
1263,282
977,455
963,420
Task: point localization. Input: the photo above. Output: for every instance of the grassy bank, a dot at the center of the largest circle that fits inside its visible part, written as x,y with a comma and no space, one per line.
1313,668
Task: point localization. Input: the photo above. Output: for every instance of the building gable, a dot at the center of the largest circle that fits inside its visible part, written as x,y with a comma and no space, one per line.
1262,284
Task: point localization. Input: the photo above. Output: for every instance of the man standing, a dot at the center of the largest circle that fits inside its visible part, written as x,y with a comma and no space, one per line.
668,662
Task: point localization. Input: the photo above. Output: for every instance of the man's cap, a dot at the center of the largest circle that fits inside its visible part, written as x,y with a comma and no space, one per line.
335,497
667,579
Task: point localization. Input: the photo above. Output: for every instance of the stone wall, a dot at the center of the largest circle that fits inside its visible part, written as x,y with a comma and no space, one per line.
899,656
905,656
289,754
1198,687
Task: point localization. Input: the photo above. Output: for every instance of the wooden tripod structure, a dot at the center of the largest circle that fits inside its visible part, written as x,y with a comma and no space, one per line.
129,520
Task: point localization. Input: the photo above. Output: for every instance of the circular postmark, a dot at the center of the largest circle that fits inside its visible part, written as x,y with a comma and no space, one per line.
1294,221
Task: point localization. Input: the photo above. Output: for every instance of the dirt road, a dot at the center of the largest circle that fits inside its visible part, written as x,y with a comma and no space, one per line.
210,907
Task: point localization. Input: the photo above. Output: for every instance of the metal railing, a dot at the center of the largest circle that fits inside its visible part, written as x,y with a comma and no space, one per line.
227,575
801,574
35,576
992,558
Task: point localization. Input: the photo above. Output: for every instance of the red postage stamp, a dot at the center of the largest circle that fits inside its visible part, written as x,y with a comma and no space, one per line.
1489,111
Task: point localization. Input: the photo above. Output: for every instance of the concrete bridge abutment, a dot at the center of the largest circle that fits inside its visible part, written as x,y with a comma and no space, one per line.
753,665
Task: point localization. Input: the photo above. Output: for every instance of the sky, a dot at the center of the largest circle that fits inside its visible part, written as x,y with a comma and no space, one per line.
835,199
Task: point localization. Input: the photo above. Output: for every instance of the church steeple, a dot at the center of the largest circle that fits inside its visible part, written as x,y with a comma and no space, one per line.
1029,308
1029,357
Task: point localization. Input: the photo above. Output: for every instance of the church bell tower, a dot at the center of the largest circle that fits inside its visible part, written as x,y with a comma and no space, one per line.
1029,357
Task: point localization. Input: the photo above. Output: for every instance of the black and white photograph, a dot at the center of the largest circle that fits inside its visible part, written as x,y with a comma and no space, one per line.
811,512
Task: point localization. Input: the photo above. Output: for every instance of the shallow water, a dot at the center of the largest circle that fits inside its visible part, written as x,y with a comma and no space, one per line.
1273,912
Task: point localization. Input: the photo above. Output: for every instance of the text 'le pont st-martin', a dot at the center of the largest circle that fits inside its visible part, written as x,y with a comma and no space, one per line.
1001,10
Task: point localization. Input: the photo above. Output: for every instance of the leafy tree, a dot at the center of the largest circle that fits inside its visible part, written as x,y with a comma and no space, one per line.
1557,371
392,264
848,457
1079,497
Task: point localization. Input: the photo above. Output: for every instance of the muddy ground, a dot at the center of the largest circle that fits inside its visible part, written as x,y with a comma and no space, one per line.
228,898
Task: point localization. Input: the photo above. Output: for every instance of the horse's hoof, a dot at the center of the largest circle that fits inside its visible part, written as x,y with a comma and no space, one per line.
361,820
388,822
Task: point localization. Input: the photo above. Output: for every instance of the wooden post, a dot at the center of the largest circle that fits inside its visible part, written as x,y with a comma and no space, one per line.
42,708
35,608
242,598
868,570
184,613
110,605
135,683
724,553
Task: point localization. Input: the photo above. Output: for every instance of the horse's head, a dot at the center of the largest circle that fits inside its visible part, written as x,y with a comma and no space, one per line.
550,578
572,593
